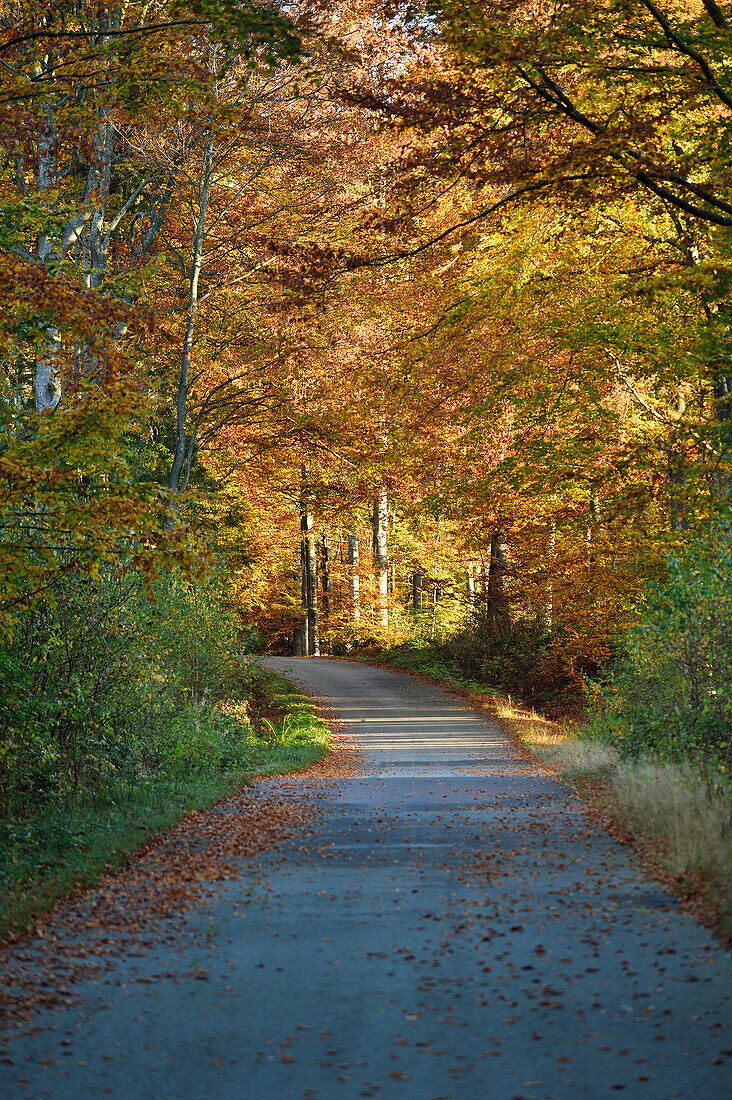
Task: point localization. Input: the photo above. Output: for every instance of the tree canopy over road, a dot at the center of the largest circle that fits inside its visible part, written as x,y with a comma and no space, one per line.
371,327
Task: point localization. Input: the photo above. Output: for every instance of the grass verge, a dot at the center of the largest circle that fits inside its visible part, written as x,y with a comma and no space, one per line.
677,819
64,848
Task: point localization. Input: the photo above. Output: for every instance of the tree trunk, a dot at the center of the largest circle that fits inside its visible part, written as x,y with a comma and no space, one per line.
299,630
184,446
327,558
312,576
309,572
47,382
381,556
471,585
417,590
549,606
353,578
303,631
497,607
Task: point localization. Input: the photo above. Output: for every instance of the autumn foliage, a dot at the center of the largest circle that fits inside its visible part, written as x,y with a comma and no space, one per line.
330,326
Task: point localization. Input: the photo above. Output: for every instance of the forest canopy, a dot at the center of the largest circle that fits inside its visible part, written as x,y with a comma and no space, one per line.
329,328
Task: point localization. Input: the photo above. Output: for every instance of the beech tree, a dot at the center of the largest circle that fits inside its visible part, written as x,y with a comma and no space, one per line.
465,264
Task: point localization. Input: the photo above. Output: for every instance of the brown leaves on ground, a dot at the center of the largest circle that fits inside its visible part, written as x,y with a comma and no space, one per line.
137,907
698,896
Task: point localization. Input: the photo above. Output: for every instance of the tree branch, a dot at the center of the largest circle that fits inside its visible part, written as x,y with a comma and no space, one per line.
684,48
715,14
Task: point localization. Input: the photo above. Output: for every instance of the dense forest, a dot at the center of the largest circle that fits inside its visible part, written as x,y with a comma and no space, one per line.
365,328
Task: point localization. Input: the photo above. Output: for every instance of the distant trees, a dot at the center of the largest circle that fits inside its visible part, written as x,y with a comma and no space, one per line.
403,315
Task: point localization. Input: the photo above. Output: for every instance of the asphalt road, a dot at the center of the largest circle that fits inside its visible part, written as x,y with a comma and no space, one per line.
453,926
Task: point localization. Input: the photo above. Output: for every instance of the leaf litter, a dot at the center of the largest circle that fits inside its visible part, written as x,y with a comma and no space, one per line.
134,909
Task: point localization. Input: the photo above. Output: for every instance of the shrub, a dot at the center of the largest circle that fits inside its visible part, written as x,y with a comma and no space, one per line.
114,680
671,693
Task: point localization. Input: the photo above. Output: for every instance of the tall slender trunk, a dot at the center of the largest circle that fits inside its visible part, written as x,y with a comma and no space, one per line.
436,596
381,555
312,578
417,590
302,636
497,607
353,578
327,558
299,632
309,559
471,585
551,550
47,381
98,185
46,170
181,441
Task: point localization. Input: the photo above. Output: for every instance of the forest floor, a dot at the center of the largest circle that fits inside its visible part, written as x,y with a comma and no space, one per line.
427,914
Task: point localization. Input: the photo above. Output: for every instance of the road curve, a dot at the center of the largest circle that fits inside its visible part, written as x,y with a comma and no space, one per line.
455,926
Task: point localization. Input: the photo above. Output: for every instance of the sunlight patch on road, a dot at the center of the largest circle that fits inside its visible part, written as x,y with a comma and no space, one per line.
418,718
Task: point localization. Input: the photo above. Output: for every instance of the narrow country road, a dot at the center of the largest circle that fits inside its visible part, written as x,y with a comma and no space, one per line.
452,925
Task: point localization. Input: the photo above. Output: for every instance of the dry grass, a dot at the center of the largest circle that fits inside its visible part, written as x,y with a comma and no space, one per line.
503,707
557,746
674,807
566,753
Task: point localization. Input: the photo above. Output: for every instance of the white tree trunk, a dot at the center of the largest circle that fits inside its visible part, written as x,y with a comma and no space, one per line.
327,561
353,578
549,609
381,555
309,560
47,381
184,446
312,579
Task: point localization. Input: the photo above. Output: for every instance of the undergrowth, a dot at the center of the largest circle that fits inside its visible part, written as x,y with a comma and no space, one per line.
427,659
66,845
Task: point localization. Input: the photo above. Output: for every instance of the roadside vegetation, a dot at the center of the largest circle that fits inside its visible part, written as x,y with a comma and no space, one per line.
678,813
125,719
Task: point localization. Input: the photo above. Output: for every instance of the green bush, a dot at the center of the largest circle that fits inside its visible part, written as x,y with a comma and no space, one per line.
505,659
200,739
192,757
114,682
671,692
